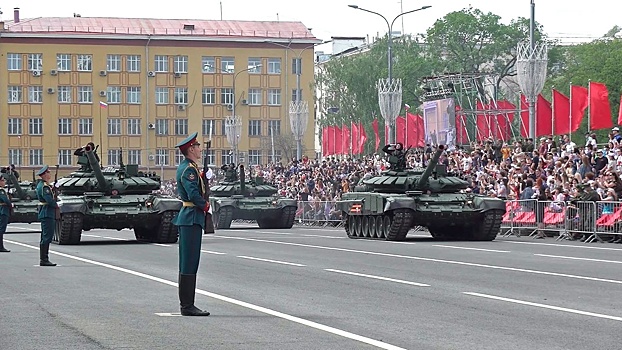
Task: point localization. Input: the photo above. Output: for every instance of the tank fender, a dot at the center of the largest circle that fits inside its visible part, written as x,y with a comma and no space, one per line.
352,206
161,204
393,203
287,202
218,203
487,203
74,205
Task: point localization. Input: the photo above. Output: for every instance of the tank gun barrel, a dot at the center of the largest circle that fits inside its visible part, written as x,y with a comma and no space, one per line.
102,185
430,168
21,194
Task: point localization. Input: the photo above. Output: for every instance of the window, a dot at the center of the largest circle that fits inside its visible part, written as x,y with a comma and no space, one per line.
132,63
63,62
161,63
161,156
254,128
113,94
14,61
35,62
85,63
254,157
274,97
209,127
297,95
114,126
133,94
161,95
209,96
254,97
296,66
65,157
133,126
181,127
64,126
14,94
180,64
223,128
85,126
179,157
161,126
227,65
226,96
208,64
134,157
35,94
274,127
274,66
85,94
36,157
64,94
113,63
15,156
211,156
181,96
14,126
35,126
276,157
226,157
254,62
114,156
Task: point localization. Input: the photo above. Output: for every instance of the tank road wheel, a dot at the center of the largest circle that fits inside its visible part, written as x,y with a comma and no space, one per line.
380,227
372,227
349,226
365,231
359,225
68,229
386,226
489,227
223,218
400,225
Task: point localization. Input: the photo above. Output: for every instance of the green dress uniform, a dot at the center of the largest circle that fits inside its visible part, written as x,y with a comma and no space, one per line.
190,221
5,211
47,216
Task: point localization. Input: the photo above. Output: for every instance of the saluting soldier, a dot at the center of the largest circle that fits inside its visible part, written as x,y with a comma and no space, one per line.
47,215
191,222
5,210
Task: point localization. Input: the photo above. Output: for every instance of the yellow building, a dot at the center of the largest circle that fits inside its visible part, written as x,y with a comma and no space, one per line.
142,85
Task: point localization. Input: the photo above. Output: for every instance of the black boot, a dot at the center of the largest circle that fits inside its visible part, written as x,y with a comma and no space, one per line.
44,260
2,248
187,286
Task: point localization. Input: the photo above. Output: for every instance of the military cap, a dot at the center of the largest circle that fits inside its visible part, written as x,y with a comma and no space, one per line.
4,177
43,170
187,142
580,186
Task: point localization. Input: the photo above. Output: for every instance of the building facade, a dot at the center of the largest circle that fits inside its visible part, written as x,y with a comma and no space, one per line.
136,87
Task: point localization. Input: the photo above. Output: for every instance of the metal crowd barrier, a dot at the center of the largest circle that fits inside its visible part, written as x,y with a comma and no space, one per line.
318,213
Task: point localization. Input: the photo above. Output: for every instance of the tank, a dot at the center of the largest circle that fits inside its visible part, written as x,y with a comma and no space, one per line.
24,198
238,198
387,206
113,198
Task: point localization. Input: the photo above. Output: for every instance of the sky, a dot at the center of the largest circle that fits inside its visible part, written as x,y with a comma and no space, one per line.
570,20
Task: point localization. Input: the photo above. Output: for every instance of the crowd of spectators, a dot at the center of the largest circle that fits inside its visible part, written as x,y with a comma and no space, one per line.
550,168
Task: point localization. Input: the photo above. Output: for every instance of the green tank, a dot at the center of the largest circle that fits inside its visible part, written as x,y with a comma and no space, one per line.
389,205
24,198
113,198
238,198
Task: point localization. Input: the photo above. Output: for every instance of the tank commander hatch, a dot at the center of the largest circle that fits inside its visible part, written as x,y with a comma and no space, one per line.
230,173
397,155
80,151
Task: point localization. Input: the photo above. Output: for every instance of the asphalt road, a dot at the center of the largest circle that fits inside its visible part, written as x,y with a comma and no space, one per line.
312,288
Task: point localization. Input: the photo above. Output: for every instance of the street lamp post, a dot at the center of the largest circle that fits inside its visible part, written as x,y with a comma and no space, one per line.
389,90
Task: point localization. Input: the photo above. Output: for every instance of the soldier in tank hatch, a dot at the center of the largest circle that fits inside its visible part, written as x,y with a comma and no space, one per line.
191,222
47,214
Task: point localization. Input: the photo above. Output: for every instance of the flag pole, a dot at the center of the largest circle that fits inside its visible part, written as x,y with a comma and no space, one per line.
100,129
570,115
553,110
589,104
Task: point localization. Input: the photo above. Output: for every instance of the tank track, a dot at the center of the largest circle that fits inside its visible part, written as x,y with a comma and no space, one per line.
391,226
490,226
284,220
224,218
68,229
166,231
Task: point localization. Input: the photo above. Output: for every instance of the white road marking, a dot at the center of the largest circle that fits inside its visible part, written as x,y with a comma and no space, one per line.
302,321
168,314
115,238
469,248
545,306
320,236
378,278
575,258
161,245
272,261
561,245
212,252
23,228
494,267
89,235
322,229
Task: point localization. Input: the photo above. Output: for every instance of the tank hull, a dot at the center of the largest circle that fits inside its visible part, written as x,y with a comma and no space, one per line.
268,212
24,211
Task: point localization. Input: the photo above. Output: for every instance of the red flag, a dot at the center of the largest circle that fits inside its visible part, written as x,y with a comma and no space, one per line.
400,128
420,131
374,125
620,112
345,137
524,116
544,114
561,113
600,111
338,141
356,134
325,141
505,118
363,138
483,122
578,104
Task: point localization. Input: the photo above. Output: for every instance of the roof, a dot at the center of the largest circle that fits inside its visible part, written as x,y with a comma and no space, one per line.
159,27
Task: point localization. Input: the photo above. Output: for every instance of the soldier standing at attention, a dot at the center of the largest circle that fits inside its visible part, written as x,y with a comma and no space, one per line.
5,210
47,215
191,222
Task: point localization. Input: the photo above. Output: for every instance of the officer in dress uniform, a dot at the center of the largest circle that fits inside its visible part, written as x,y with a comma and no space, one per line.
191,222
47,214
5,210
